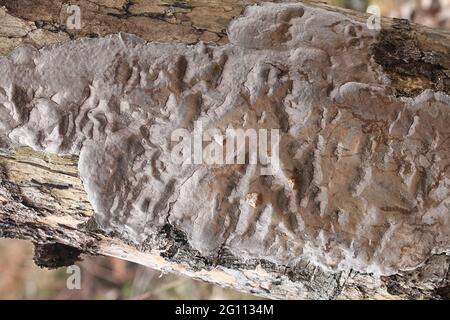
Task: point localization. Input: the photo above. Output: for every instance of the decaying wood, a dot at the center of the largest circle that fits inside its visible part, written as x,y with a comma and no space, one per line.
43,199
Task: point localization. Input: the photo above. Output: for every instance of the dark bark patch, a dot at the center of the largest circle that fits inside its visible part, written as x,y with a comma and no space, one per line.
55,255
412,62
443,292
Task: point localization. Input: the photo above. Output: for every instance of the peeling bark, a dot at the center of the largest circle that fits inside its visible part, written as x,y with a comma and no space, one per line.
386,87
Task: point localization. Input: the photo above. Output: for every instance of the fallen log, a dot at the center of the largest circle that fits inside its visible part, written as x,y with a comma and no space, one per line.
355,206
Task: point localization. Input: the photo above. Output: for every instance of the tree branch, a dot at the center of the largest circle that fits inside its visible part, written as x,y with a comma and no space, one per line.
358,209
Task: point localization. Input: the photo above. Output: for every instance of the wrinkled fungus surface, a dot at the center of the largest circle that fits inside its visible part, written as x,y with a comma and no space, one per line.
363,176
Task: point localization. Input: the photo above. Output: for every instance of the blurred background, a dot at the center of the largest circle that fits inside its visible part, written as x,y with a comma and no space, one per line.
433,13
108,278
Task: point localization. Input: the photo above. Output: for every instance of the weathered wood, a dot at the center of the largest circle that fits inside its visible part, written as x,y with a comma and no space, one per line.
43,199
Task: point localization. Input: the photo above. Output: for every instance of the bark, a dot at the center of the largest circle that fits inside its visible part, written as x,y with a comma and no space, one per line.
44,200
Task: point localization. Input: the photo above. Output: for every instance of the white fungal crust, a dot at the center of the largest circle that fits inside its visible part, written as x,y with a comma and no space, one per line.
363,177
